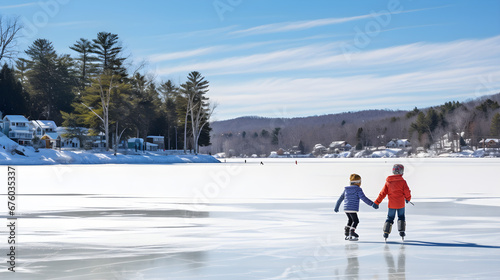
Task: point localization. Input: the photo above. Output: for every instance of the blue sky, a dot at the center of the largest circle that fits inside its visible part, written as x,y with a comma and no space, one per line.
292,58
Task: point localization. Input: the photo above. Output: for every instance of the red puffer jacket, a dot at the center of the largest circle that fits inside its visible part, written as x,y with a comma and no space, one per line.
398,191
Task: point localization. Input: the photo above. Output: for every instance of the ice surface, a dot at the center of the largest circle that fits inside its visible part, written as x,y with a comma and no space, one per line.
251,221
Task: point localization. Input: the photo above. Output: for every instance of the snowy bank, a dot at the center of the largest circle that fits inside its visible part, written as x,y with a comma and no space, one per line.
13,154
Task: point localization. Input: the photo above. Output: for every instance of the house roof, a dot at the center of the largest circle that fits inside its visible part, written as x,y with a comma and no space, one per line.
337,143
16,118
44,124
51,135
490,140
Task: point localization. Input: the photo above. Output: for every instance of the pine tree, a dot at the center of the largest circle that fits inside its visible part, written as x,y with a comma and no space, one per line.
13,99
107,48
495,125
301,147
145,103
275,139
50,79
85,60
169,94
21,70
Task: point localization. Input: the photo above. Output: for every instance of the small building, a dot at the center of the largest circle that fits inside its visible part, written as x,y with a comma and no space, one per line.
51,140
489,143
398,143
18,128
136,144
339,146
46,132
319,150
151,147
72,142
158,140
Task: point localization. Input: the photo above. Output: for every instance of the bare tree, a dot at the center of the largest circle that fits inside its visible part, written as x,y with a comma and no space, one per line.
103,88
8,35
200,117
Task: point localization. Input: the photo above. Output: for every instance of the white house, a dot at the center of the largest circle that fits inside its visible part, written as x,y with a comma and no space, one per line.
18,128
46,131
70,142
339,146
42,127
398,143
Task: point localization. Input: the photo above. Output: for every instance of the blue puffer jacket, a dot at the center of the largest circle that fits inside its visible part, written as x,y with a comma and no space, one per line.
352,194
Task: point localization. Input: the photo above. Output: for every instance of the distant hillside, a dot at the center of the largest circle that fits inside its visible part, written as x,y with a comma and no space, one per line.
423,126
256,123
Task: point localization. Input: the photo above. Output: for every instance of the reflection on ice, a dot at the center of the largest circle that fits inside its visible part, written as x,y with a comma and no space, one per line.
395,272
352,269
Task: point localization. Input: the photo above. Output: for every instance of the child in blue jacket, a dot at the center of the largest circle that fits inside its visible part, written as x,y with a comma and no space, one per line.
352,194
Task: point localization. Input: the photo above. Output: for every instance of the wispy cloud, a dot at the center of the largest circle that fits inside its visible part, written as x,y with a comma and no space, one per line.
159,57
332,57
264,62
308,24
17,6
195,34
398,91
295,26
182,54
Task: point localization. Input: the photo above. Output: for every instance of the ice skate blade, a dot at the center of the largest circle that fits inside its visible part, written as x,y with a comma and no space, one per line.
353,239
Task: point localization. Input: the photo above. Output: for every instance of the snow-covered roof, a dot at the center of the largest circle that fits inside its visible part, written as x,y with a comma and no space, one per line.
44,124
490,140
337,143
156,137
51,135
15,118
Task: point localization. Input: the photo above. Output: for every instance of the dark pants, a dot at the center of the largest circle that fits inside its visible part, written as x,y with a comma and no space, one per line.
353,220
392,214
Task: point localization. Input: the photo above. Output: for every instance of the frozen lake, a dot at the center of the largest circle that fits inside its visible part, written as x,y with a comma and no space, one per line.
239,220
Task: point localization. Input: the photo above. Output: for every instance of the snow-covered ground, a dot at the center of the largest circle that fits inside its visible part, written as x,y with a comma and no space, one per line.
238,220
29,156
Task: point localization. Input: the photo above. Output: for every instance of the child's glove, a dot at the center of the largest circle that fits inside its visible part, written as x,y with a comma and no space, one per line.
407,201
336,210
375,205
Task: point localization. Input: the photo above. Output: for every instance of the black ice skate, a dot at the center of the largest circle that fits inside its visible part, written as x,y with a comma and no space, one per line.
387,230
401,229
353,236
347,229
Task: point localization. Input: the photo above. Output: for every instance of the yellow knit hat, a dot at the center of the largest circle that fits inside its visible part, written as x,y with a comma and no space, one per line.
355,179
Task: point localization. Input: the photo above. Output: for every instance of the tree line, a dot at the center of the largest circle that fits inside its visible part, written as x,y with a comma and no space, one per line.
92,88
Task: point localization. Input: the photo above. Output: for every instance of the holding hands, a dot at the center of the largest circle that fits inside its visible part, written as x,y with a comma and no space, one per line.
375,206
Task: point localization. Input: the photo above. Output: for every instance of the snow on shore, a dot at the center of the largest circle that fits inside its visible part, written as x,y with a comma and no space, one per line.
8,155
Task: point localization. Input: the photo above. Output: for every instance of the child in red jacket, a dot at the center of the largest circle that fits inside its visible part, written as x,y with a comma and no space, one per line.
398,192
